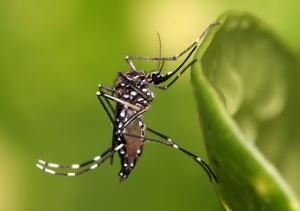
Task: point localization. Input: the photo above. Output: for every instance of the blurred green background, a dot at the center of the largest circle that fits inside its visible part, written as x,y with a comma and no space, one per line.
53,54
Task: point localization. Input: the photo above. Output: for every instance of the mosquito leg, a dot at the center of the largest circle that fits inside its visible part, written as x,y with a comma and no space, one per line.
101,87
114,124
73,166
107,111
197,40
204,165
135,116
99,94
84,170
160,134
182,71
102,94
111,117
172,58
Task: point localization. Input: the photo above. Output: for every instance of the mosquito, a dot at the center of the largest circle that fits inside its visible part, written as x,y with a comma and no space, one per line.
132,97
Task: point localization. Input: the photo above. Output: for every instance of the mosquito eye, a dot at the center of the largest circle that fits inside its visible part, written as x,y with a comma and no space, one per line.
154,78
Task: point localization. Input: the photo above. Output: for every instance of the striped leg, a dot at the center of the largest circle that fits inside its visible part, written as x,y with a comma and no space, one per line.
75,166
204,165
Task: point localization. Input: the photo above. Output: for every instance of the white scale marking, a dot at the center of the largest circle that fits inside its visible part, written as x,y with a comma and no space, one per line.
75,166
144,90
152,95
94,166
119,147
175,146
131,165
49,171
71,174
199,159
120,125
53,165
126,96
122,114
39,166
42,162
97,158
133,93
140,123
139,151
125,165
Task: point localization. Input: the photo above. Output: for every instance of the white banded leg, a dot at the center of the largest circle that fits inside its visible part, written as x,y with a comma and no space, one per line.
73,166
204,165
99,163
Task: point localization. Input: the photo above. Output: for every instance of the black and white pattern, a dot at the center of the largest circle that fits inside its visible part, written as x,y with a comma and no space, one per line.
132,97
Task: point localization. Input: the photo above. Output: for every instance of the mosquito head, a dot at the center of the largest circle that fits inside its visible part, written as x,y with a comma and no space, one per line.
156,78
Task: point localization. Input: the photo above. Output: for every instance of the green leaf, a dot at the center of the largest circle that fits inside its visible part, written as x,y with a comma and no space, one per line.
244,83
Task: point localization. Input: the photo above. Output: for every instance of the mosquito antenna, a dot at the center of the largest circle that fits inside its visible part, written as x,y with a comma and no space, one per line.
160,62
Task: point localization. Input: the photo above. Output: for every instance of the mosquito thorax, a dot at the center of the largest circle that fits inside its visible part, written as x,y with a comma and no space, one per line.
132,87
